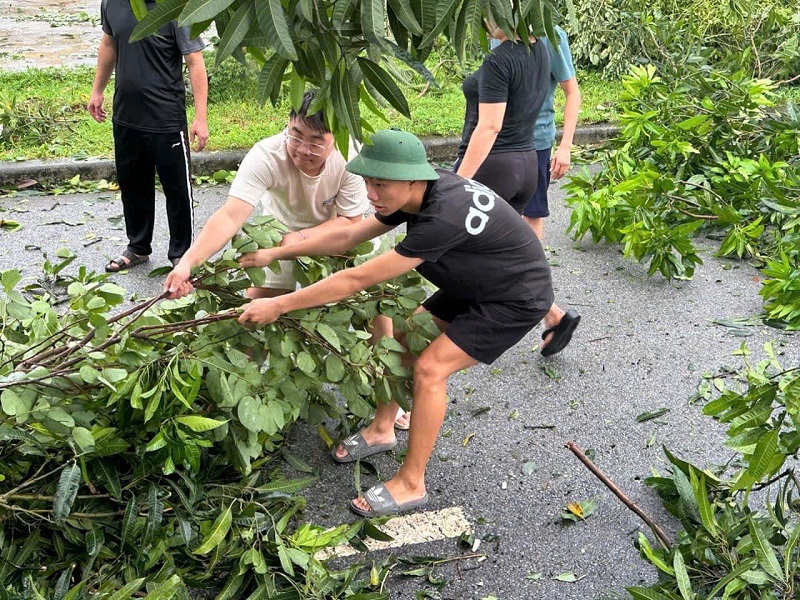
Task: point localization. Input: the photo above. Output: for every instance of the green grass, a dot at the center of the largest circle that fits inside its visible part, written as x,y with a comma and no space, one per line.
235,118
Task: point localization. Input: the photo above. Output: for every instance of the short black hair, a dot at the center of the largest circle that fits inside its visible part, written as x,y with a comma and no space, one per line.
315,121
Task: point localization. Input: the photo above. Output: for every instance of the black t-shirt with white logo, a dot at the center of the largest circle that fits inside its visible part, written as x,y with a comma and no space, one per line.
518,75
475,246
149,93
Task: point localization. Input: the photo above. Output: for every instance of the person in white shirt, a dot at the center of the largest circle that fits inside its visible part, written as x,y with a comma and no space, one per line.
298,177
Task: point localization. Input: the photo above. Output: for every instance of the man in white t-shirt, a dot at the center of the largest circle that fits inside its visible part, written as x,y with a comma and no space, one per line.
299,178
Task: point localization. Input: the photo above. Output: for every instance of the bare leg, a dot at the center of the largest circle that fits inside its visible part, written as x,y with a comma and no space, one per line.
537,224
553,316
436,363
381,430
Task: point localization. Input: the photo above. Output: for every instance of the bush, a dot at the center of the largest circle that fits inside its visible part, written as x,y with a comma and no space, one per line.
758,36
33,121
729,548
701,150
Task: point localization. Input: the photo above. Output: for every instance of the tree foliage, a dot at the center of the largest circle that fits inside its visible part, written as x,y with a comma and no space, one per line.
706,151
761,37
345,48
141,451
729,547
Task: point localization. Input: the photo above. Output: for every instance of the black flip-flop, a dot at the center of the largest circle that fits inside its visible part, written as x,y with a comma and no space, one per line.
562,333
120,264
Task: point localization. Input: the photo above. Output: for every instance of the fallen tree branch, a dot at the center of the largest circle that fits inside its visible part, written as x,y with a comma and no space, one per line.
657,531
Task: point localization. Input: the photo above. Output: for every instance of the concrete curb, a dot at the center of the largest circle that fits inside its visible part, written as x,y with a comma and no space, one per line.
440,149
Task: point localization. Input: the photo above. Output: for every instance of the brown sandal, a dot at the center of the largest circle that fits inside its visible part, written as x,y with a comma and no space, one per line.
127,261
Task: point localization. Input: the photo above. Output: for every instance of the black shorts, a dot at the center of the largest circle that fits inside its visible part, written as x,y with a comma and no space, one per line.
511,175
484,330
537,206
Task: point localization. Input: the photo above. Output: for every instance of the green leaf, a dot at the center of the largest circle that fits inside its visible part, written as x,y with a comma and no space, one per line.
235,31
162,13
199,424
654,556
764,551
762,461
196,11
705,508
287,486
94,541
139,9
248,412
257,276
166,589
62,584
269,78
66,491
384,84
272,21
83,437
286,562
329,335
650,415
640,593
110,477
373,17
128,521
445,10
114,375
305,362
15,405
406,16
125,592
334,368
682,576
218,531
296,462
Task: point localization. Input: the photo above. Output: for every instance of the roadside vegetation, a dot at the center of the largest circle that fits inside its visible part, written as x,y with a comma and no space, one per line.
43,111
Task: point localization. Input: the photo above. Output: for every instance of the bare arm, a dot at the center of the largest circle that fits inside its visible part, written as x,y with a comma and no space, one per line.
561,159
106,59
333,240
490,122
332,289
304,234
199,79
217,232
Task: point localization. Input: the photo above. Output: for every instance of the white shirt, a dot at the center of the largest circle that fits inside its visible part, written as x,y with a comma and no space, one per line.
268,180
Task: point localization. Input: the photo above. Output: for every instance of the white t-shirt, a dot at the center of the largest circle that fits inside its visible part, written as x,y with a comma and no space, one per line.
269,180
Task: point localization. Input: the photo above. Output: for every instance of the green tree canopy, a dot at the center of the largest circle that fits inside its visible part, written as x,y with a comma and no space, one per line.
343,47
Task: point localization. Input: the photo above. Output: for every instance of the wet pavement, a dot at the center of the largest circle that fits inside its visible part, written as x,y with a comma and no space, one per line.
48,33
644,344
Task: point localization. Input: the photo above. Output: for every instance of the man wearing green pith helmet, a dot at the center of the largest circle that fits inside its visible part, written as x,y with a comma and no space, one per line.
493,279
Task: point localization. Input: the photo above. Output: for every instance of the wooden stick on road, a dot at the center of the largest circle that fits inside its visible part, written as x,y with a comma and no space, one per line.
659,533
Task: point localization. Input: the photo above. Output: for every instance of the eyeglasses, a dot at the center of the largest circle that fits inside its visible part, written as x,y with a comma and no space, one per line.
295,143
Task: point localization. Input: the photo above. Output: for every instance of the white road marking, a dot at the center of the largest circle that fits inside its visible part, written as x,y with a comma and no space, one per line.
411,529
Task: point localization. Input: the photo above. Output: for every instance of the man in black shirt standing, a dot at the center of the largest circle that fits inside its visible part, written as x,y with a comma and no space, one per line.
493,279
150,132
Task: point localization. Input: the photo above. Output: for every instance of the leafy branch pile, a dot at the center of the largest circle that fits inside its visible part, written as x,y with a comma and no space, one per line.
701,151
729,548
139,452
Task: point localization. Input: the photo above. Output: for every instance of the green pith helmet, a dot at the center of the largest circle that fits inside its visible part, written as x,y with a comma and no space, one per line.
393,154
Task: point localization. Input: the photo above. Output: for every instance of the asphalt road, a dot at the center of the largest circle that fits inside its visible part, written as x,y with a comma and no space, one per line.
643,344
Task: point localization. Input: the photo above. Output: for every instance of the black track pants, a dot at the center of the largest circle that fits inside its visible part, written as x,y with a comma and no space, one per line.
139,155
